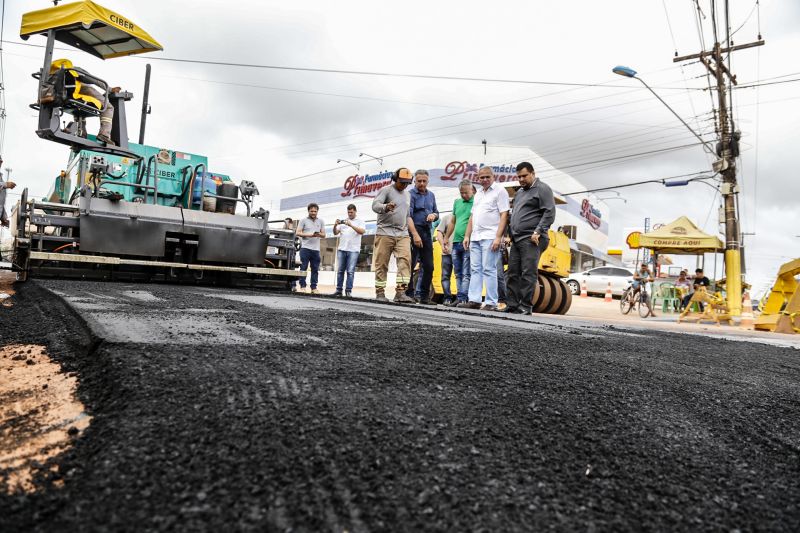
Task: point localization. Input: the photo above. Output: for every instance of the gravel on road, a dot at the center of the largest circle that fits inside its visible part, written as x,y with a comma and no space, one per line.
232,410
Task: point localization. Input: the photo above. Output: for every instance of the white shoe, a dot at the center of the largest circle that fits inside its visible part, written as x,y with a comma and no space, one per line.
314,291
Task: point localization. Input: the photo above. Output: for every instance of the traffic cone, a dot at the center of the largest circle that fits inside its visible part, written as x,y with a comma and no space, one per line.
584,290
747,312
609,297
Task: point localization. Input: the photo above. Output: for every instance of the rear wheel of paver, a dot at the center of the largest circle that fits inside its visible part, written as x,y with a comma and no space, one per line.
542,296
556,297
566,301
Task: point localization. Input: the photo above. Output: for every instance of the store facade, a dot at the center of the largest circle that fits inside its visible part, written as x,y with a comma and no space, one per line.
585,219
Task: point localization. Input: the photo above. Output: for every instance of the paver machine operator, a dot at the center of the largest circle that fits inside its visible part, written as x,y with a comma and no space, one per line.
136,212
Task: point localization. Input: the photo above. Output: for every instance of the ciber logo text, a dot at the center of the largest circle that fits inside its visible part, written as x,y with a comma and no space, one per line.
119,21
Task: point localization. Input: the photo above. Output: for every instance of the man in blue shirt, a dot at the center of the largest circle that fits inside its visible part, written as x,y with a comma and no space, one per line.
423,212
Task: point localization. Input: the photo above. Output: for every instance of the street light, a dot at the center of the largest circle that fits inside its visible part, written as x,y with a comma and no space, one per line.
617,197
628,72
378,159
358,166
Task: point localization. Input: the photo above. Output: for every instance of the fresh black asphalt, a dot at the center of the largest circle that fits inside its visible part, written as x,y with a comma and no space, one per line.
220,410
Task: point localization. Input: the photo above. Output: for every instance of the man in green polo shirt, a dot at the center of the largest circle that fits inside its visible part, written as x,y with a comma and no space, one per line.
462,208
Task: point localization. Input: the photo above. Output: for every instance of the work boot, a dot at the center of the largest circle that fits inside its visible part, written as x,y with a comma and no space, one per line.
426,301
104,137
337,294
348,294
402,298
380,296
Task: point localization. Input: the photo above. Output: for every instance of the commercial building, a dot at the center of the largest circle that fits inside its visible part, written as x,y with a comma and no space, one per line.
583,218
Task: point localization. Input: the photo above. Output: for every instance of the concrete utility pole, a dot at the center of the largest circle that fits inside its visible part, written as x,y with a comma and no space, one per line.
727,150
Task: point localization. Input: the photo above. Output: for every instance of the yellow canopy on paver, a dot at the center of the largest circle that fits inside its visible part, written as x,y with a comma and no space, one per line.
680,237
90,27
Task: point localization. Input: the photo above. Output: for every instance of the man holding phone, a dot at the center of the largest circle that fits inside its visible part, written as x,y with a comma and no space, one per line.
349,230
310,230
392,204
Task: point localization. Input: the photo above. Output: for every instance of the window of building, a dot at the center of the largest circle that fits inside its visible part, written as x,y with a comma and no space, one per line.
328,248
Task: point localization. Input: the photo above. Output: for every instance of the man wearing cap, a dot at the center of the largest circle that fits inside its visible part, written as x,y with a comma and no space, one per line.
392,236
423,213
534,211
310,230
3,186
484,238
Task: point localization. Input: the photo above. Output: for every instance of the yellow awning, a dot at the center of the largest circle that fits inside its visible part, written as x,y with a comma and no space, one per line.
91,28
680,237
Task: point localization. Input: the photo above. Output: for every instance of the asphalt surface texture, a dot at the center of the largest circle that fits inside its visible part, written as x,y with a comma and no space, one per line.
221,409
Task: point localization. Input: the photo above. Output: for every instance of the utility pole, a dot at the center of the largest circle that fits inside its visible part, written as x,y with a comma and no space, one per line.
727,150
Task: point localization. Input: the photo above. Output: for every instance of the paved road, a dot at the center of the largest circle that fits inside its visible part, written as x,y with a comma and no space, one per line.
218,409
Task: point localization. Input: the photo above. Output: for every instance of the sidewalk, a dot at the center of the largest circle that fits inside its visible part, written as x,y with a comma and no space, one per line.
595,311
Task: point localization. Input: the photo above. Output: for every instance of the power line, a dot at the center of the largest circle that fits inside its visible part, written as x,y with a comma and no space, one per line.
318,93
334,149
757,84
368,72
651,180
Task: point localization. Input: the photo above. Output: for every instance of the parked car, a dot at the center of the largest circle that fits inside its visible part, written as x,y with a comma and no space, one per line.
597,280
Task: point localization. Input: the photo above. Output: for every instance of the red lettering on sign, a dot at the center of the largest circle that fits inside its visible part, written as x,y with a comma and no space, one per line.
587,213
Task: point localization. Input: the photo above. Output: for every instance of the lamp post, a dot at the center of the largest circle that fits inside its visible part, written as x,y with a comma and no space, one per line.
617,197
378,159
357,165
733,251
630,73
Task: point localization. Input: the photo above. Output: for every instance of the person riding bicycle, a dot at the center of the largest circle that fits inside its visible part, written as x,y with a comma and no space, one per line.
643,275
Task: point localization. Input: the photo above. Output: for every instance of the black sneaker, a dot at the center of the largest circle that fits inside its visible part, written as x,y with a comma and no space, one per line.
426,301
348,294
337,293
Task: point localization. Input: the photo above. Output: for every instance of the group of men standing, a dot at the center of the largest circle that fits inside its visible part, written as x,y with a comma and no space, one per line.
472,237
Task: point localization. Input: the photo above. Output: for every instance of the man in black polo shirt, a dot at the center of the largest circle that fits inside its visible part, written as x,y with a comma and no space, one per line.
533,212
700,280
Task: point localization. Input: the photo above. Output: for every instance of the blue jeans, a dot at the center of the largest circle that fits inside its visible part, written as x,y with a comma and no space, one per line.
309,257
447,271
460,257
483,263
347,263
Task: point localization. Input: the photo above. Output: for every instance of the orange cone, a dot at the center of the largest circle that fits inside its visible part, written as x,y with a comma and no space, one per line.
609,297
747,312
584,290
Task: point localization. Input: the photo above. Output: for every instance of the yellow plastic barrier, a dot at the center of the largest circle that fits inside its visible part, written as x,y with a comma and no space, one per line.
781,312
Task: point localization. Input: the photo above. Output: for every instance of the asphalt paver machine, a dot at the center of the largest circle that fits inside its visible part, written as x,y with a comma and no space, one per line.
135,212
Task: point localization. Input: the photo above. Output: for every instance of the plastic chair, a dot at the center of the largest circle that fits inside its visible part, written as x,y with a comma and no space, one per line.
669,296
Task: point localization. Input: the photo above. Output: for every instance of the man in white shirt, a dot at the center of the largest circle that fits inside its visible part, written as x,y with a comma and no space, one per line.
349,231
484,238
310,230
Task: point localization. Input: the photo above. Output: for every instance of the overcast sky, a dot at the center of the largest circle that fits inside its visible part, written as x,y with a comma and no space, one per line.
268,125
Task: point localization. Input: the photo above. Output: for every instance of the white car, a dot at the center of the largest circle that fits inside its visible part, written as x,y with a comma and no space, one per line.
597,280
